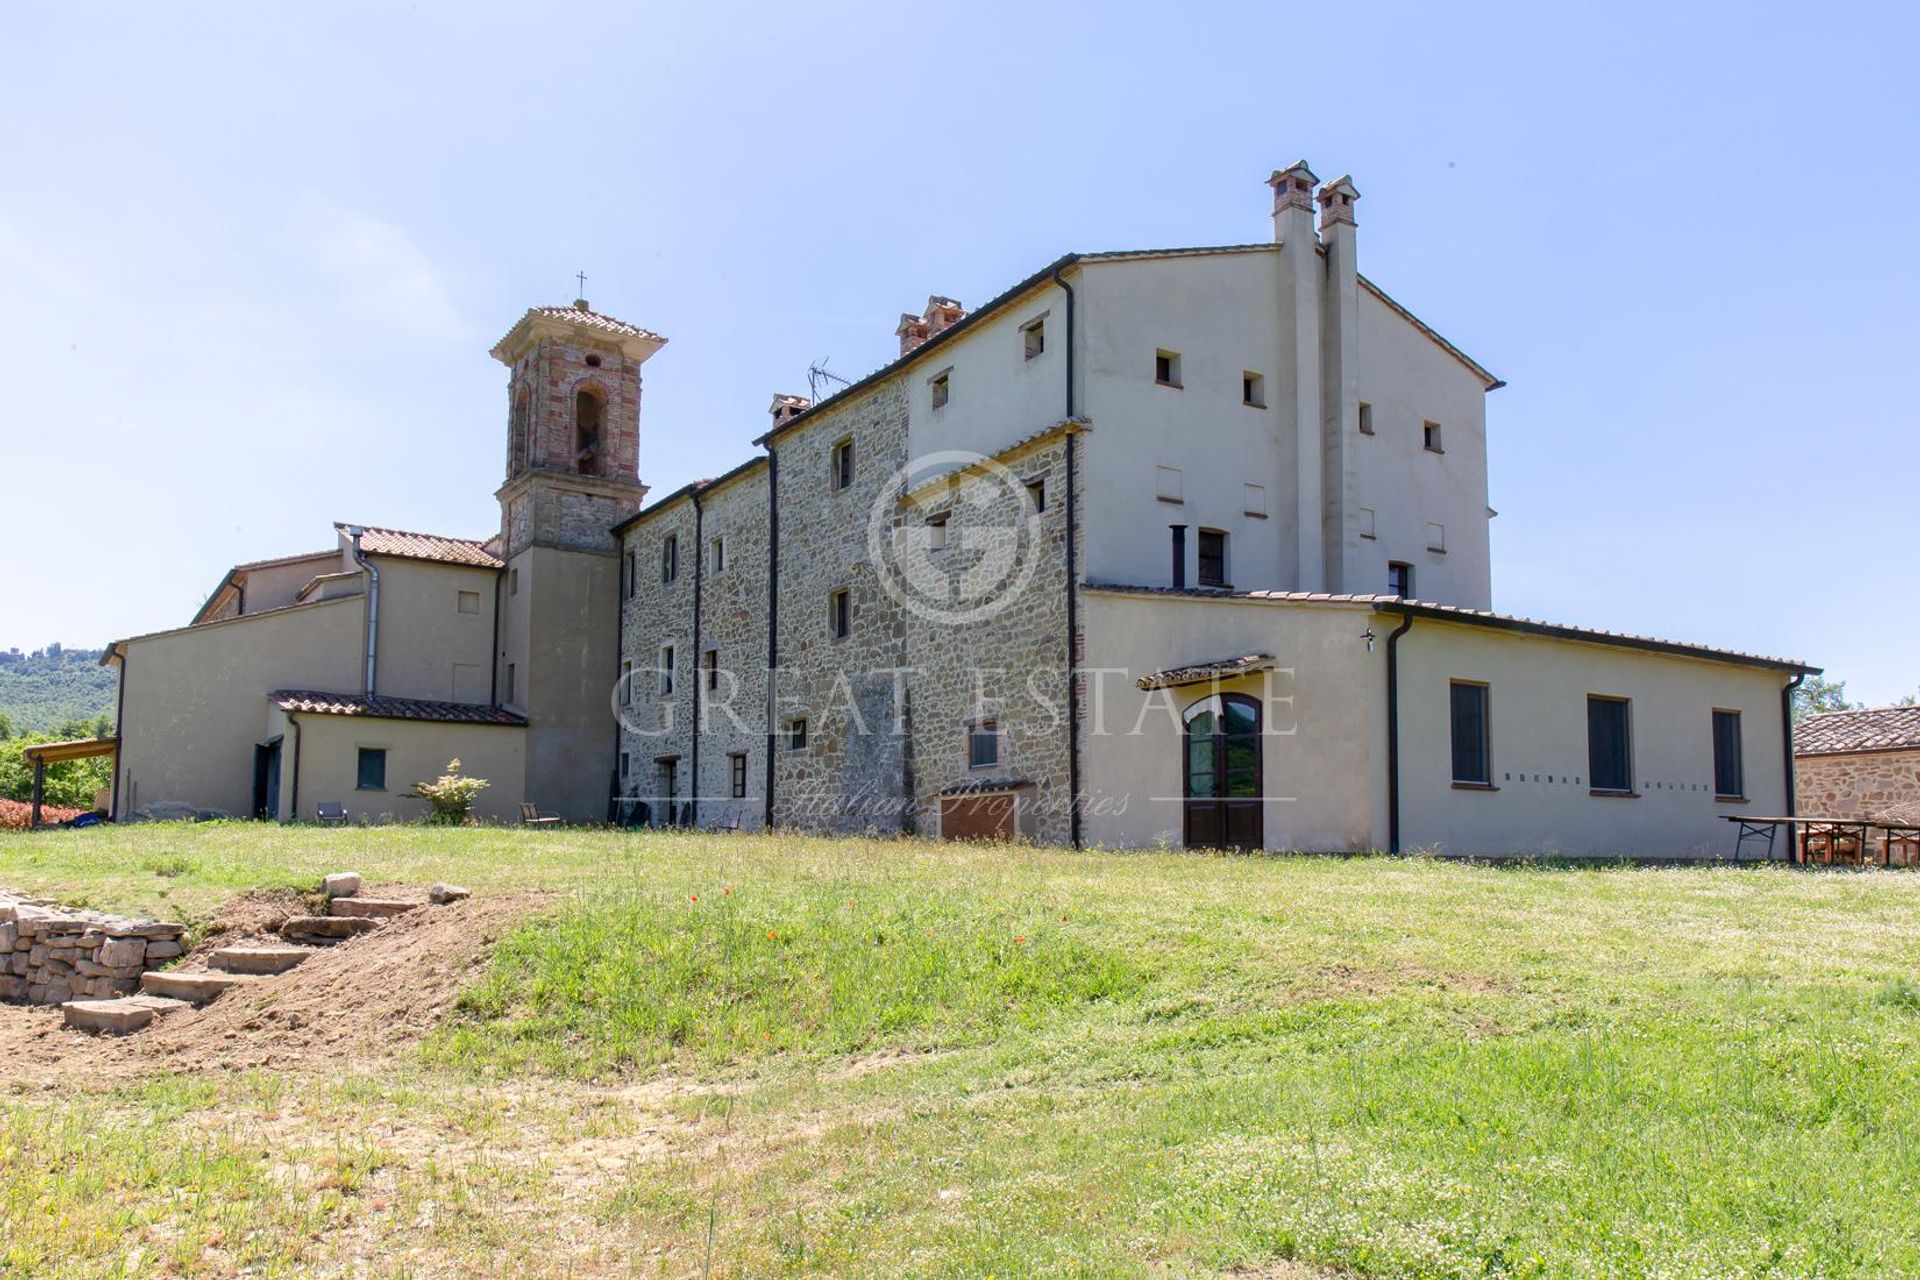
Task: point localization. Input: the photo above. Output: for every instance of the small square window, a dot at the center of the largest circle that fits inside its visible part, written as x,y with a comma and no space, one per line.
1400,580
942,386
1430,436
1366,418
666,670
1166,368
469,602
842,463
983,744
1037,495
719,554
670,558
1213,558
840,614
372,770
797,734
1033,338
737,771
937,532
1253,390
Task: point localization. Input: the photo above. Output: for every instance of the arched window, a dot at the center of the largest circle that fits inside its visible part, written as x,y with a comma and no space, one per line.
586,432
1221,773
519,441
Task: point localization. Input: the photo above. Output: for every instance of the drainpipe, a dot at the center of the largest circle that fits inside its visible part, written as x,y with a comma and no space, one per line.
629,588
773,619
1786,752
373,603
1393,732
699,572
119,732
1073,587
493,689
293,803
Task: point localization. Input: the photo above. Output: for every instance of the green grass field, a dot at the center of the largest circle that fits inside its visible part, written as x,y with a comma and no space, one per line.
745,1057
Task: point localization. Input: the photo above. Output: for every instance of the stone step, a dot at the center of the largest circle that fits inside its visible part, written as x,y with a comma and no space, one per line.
259,959
326,929
197,988
377,908
129,1013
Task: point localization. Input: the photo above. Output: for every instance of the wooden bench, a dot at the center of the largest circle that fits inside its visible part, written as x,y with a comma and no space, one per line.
530,816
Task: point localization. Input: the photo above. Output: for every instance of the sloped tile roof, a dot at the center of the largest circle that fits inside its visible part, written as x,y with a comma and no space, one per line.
1206,672
589,318
1472,617
425,546
1844,732
312,702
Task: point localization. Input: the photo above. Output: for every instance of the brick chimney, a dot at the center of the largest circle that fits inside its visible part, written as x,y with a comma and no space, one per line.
785,408
941,314
1292,202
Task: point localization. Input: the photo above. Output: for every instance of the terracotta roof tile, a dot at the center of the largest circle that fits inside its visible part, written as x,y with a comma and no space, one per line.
425,546
1207,672
587,318
1842,732
311,702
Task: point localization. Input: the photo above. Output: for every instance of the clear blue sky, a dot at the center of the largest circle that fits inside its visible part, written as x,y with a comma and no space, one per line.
252,258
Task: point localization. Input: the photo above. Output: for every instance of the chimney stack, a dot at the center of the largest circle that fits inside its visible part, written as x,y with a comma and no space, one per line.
1292,202
941,314
1336,204
785,408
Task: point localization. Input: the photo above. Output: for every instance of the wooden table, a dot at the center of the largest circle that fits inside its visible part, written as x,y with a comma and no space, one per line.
1825,837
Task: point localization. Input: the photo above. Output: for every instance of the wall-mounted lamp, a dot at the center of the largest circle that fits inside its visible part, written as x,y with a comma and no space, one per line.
1367,635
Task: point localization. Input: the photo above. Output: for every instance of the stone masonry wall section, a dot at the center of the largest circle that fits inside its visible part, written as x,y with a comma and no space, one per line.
50,954
1871,784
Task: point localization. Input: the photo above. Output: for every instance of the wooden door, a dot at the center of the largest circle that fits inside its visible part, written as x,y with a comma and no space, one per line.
1221,774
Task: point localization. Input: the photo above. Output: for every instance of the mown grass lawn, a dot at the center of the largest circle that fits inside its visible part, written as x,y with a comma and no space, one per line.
868,1058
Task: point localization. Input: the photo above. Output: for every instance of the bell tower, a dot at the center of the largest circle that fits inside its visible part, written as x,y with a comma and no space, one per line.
573,427
573,472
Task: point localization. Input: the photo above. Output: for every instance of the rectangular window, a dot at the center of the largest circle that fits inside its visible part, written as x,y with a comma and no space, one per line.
469,602
719,554
1472,754
711,661
666,669
737,771
842,463
1037,495
983,744
629,577
1400,580
1213,558
1253,390
1430,436
670,558
624,761
840,614
510,681
1609,745
942,385
797,734
626,684
937,532
1366,418
1729,778
1166,368
1033,338
372,769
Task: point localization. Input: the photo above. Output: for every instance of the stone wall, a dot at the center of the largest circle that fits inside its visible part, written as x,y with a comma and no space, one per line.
50,954
657,726
1868,784
733,625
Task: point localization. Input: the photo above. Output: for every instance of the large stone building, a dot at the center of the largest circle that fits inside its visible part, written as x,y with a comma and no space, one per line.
1181,546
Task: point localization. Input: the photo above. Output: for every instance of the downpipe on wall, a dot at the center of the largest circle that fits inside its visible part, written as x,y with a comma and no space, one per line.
373,604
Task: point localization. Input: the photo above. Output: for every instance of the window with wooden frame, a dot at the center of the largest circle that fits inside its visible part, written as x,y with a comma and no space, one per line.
840,613
1609,745
841,462
1400,580
1729,771
666,670
983,744
1213,558
737,775
1472,740
670,558
710,662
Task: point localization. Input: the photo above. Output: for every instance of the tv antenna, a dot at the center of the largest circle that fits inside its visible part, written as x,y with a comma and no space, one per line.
819,376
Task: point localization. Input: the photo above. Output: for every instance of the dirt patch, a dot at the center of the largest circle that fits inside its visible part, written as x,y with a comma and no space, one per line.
361,1000
253,915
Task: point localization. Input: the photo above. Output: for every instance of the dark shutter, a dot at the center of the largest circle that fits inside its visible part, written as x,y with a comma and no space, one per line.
1609,762
1470,734
373,769
1213,558
1727,771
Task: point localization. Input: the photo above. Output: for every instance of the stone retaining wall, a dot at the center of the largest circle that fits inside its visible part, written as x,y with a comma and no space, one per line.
1865,784
50,954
